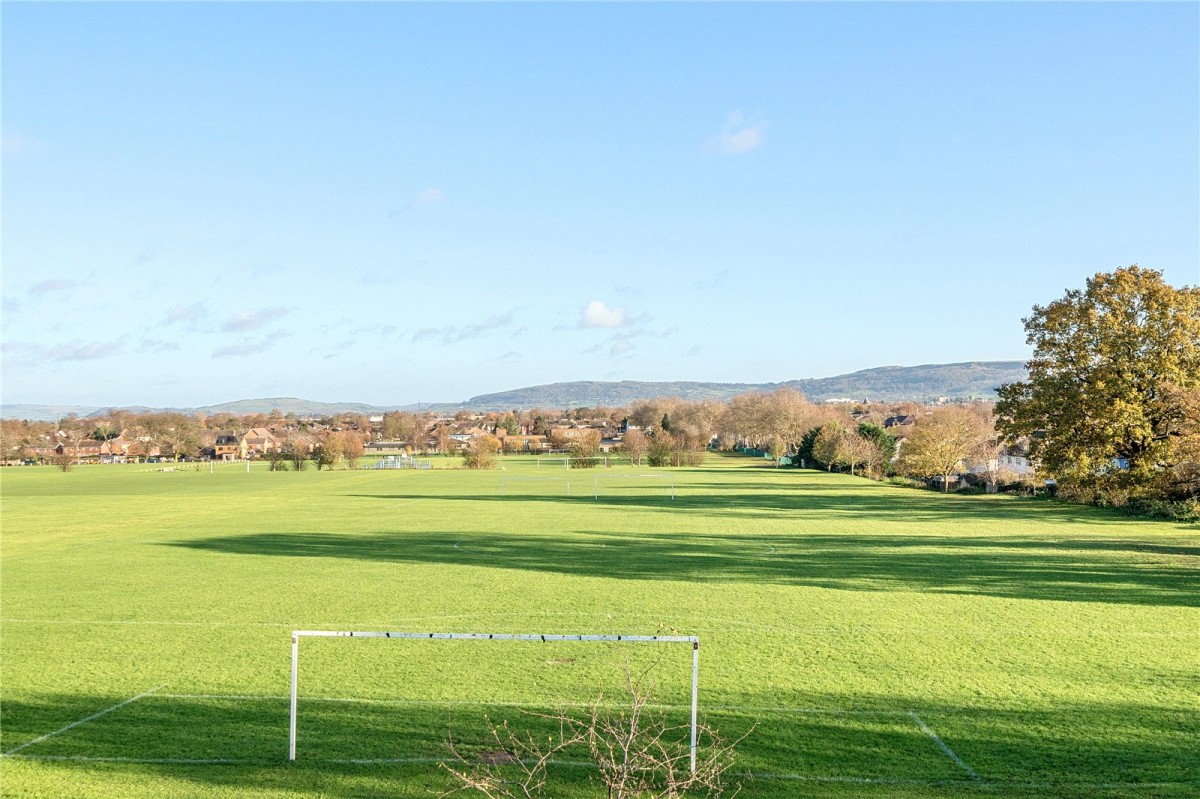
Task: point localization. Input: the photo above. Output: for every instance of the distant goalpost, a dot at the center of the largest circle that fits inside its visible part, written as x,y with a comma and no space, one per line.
566,461
505,481
596,481
645,639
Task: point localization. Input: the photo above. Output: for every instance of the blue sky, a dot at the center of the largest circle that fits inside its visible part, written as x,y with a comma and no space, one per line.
397,202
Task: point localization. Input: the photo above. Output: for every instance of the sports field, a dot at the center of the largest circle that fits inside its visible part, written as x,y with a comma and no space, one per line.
888,642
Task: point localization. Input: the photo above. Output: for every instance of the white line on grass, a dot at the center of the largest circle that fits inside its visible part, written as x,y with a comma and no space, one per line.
175,761
791,629
946,750
74,724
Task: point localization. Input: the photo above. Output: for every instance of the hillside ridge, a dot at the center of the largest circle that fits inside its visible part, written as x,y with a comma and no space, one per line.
970,379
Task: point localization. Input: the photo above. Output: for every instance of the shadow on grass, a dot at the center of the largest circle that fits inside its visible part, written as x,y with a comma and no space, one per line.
1113,571
821,502
1068,749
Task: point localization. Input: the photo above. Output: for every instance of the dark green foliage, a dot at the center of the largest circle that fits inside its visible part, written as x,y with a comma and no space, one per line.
882,438
806,449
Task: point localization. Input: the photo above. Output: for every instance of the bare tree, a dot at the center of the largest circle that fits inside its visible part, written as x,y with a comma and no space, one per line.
635,446
636,750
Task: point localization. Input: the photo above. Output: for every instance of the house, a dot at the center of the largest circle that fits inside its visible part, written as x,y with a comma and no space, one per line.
257,443
522,442
900,421
83,451
226,447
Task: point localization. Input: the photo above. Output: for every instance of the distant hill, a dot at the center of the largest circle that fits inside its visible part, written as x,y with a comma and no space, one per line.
293,405
46,413
884,383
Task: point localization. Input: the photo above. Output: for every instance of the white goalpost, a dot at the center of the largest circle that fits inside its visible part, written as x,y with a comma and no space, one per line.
646,639
504,481
566,461
596,481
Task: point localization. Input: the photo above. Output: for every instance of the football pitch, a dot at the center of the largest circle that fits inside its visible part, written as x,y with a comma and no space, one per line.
880,641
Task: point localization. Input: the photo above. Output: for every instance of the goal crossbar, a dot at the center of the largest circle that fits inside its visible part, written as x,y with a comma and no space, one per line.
532,637
506,480
596,481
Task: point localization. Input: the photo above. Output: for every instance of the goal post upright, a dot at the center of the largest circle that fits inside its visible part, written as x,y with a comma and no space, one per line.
547,638
295,680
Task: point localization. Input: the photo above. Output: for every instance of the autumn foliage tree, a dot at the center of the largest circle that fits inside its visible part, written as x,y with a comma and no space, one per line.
635,443
585,450
1111,368
481,452
942,443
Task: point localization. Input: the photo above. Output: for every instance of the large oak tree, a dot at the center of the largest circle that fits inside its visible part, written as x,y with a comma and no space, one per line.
1102,405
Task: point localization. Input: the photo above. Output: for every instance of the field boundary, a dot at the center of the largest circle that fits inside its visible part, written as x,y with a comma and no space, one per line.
75,724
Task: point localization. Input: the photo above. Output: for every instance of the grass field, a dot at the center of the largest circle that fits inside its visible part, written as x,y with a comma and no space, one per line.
887,642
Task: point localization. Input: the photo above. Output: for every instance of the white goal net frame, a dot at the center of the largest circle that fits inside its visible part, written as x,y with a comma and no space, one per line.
597,478
645,639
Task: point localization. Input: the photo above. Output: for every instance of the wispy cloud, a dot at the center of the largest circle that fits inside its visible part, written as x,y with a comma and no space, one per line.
159,345
245,321
511,355
429,197
451,334
739,135
422,199
381,330
69,351
693,351
10,305
249,346
621,347
712,281
597,314
17,143
188,314
51,286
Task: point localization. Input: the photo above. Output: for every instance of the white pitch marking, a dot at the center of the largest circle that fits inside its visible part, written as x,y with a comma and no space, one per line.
946,750
74,724
181,761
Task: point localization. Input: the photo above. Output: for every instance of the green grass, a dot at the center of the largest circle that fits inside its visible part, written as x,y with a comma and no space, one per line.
1053,649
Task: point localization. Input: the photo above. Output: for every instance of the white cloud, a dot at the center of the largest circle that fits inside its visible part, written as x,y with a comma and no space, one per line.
429,197
620,348
739,136
159,345
250,346
50,286
70,351
185,313
17,143
451,334
252,320
597,314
